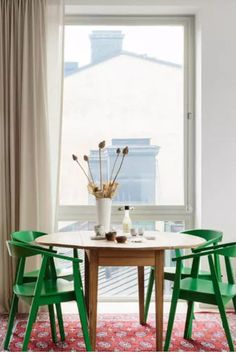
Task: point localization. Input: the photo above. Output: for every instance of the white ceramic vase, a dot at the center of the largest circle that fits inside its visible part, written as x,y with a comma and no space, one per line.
103,212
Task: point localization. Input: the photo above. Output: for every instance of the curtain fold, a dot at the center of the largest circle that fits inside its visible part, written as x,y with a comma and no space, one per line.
29,122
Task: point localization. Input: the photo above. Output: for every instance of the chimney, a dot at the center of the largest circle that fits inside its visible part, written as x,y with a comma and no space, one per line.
105,45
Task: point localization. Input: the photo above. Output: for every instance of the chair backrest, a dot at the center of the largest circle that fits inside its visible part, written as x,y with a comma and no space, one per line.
21,251
227,250
207,234
26,235
212,237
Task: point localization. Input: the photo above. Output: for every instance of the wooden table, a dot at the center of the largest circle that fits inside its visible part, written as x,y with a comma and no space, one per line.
107,253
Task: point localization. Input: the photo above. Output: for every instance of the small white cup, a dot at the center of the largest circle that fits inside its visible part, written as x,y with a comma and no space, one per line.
140,231
99,230
133,231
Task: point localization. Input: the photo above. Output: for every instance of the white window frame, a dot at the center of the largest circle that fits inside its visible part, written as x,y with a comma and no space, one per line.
184,212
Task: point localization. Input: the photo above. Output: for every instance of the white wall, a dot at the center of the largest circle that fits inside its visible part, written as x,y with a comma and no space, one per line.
215,98
218,117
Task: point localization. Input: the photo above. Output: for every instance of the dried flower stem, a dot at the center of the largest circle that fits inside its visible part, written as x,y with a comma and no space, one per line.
101,145
89,168
90,172
118,170
125,152
100,168
117,156
83,170
75,158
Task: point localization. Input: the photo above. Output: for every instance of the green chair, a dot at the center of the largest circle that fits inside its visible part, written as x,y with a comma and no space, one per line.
47,289
197,289
211,237
29,236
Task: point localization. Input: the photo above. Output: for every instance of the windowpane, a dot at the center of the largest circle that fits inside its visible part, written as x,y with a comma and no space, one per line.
124,84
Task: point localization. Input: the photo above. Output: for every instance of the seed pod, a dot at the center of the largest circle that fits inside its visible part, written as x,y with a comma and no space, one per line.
74,157
86,158
125,150
102,144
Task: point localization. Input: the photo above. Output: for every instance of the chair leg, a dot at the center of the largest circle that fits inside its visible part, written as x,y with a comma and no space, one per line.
149,294
52,322
225,324
234,303
189,320
173,307
35,318
60,322
83,318
32,316
12,314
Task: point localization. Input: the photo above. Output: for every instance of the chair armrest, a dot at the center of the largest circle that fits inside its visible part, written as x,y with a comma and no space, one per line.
193,255
204,246
208,251
48,253
213,247
66,258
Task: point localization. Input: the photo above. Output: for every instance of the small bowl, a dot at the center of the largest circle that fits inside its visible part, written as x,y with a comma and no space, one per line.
121,239
111,236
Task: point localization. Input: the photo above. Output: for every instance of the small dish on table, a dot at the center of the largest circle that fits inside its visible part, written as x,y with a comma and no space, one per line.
98,237
121,239
111,236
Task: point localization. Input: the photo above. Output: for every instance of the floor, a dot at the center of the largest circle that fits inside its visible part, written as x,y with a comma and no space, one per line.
122,307
123,333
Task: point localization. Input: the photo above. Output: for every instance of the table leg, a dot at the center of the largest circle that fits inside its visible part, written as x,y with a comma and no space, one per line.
159,293
93,289
141,294
86,280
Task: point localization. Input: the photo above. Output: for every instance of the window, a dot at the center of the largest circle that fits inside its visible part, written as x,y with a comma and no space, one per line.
129,81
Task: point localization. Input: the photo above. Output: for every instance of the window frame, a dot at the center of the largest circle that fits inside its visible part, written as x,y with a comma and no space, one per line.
184,212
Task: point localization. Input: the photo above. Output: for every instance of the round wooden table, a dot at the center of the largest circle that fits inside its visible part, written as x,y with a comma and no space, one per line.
108,253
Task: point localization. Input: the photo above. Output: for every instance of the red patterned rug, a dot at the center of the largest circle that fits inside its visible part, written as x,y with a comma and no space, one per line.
122,333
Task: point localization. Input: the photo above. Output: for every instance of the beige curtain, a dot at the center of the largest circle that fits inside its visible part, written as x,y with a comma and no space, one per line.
28,172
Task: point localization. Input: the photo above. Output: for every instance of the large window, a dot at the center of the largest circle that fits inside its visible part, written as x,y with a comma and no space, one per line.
129,81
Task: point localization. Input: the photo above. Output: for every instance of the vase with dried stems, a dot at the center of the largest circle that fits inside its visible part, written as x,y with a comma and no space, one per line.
103,191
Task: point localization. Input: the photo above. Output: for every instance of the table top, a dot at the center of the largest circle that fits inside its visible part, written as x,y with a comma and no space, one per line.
81,239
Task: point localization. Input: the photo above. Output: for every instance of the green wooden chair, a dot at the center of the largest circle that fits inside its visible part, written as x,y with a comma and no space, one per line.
47,289
29,236
211,237
208,291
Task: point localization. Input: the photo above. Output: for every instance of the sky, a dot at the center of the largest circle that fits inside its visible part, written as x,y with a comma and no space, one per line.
161,42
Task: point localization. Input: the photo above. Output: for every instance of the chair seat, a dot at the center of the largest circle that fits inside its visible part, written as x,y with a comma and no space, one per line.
185,270
202,286
50,287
